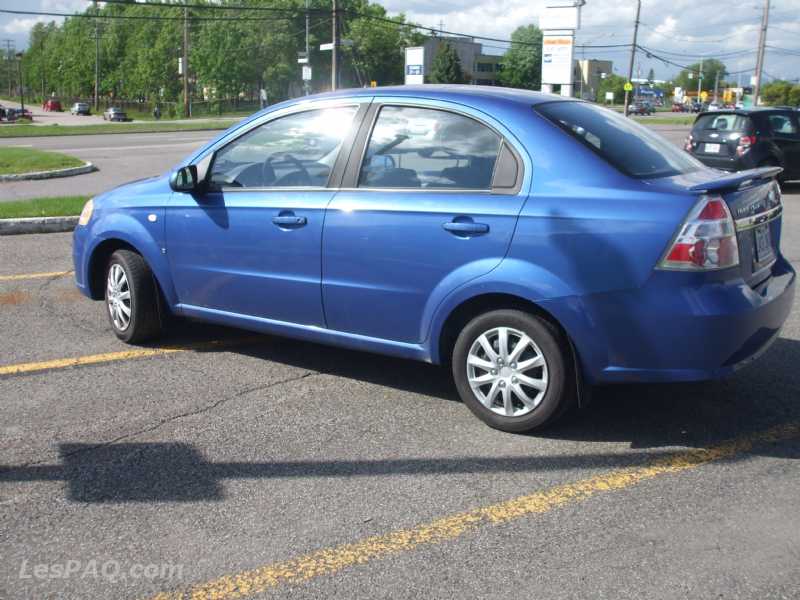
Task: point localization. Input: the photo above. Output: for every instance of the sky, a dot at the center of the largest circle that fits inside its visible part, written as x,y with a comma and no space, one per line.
679,30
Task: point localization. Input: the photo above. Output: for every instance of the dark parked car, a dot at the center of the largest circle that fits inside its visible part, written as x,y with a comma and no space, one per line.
115,114
14,114
532,244
733,140
80,108
641,108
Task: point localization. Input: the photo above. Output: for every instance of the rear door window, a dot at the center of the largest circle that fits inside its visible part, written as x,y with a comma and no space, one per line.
413,147
630,147
782,125
724,122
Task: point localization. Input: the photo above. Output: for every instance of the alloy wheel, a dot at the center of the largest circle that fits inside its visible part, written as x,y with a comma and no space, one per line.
118,297
507,371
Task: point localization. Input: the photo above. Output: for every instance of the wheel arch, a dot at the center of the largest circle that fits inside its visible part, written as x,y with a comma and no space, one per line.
470,308
99,257
443,341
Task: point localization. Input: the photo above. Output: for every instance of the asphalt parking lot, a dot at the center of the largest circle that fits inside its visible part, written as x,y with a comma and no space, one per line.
218,464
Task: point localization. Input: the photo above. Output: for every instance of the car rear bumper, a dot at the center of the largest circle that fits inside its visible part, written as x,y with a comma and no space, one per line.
675,329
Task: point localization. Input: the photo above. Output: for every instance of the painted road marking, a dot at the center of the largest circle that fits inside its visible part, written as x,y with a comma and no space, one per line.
34,276
94,359
332,560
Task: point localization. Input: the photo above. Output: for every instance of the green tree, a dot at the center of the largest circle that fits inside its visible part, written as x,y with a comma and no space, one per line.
611,83
651,75
778,93
711,67
522,63
377,53
446,67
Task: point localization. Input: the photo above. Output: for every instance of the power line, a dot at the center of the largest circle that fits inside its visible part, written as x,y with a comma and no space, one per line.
137,17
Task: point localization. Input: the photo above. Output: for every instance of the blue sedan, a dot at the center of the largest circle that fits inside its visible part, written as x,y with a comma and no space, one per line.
536,245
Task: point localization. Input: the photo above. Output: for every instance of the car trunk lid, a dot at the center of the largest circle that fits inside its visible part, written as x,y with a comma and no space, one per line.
753,198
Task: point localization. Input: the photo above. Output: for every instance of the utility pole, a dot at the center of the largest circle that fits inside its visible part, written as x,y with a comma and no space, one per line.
96,60
21,82
700,80
633,54
186,108
335,49
307,84
8,60
762,41
716,87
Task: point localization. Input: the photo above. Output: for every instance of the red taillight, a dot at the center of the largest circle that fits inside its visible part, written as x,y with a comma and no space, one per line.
688,145
744,144
706,240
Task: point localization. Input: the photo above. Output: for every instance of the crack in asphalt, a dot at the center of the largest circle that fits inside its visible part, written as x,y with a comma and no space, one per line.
172,418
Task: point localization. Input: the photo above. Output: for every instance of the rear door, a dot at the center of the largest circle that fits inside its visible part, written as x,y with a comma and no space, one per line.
430,201
786,135
716,135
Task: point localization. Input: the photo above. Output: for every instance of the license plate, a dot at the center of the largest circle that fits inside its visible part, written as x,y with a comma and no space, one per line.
712,148
763,243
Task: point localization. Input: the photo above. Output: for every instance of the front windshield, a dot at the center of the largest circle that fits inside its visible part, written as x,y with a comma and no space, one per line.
630,147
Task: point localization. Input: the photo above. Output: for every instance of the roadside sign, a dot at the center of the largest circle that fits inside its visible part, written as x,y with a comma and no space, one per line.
373,83
415,65
557,51
610,96
306,73
328,46
628,86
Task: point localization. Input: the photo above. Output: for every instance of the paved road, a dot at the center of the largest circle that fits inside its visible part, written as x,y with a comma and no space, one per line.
119,158
265,464
125,157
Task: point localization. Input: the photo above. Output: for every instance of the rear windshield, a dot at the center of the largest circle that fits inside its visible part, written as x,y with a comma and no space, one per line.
724,122
630,147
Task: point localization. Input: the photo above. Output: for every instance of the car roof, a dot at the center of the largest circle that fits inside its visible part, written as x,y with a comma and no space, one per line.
449,92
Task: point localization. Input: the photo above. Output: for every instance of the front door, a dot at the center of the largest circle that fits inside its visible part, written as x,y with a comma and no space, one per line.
424,216
250,244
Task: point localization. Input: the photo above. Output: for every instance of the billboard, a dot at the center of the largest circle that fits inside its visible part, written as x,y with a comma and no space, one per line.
560,17
415,65
557,53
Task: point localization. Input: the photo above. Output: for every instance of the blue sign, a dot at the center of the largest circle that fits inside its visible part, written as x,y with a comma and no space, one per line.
413,69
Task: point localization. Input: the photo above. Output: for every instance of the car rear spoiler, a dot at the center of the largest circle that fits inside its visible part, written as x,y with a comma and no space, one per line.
734,180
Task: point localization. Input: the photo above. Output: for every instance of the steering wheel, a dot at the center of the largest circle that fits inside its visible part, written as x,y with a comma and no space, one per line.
269,170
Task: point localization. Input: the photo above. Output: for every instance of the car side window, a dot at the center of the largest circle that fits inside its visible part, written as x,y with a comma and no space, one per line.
782,125
413,147
297,150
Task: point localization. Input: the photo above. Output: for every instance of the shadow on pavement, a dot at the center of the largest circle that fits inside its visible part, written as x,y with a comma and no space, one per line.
647,417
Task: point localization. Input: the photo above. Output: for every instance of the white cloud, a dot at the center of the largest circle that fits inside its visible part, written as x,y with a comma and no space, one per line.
20,25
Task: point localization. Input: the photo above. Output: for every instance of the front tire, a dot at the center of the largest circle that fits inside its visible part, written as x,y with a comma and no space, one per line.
513,370
131,298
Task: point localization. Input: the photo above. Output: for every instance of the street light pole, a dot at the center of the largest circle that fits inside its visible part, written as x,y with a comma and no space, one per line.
633,55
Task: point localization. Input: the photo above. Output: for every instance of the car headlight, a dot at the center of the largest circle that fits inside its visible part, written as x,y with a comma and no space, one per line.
86,213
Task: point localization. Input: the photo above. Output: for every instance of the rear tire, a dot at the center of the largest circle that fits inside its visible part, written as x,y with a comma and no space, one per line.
513,370
131,298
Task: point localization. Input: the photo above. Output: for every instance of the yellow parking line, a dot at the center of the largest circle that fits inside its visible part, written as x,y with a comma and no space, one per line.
331,560
93,359
34,276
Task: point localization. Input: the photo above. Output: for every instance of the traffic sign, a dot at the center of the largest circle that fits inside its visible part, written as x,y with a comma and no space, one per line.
306,73
628,86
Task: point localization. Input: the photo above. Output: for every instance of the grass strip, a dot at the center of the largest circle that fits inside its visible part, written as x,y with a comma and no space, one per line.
18,161
59,206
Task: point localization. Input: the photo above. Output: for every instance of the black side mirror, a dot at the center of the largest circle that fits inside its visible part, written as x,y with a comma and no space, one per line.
184,179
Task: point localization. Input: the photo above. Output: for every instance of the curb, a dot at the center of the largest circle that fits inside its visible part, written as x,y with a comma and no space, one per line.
86,168
37,225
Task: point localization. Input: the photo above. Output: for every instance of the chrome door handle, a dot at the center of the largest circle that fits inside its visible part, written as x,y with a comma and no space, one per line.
289,220
466,227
